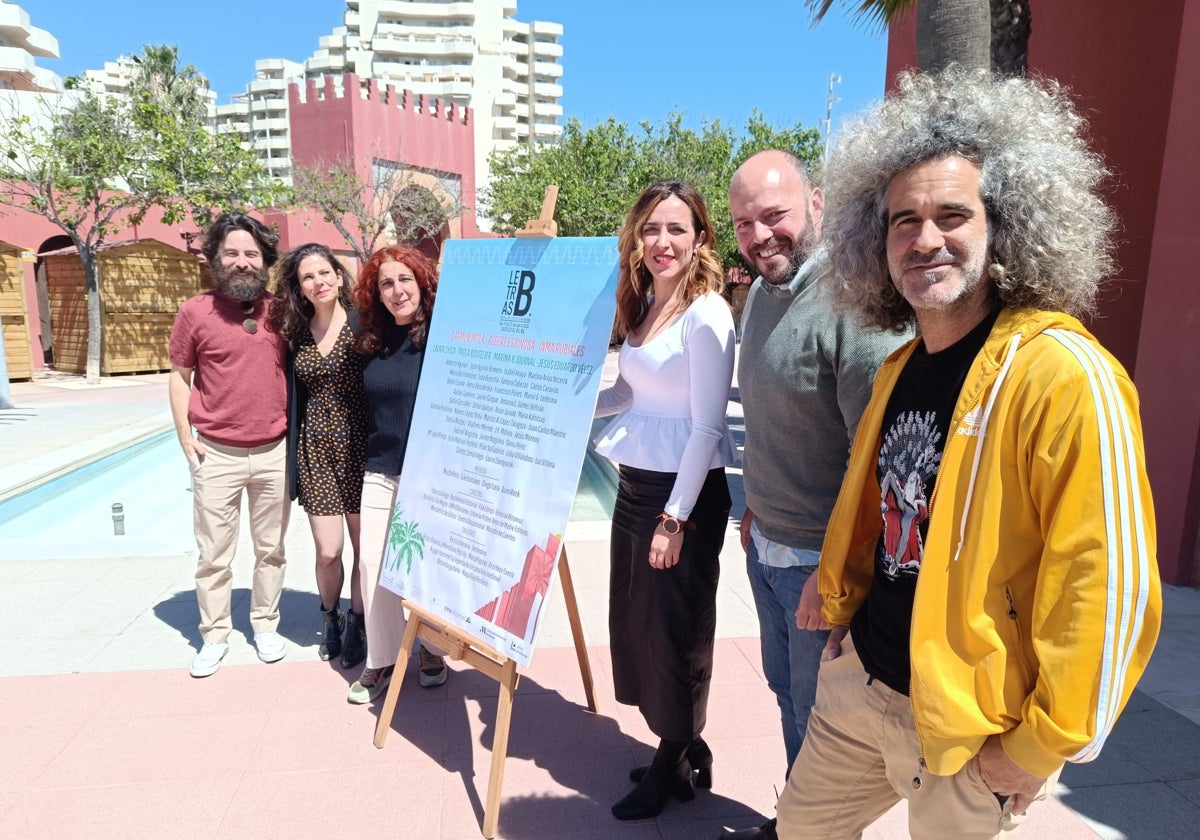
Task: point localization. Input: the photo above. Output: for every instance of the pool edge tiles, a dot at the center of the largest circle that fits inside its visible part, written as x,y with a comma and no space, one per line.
56,482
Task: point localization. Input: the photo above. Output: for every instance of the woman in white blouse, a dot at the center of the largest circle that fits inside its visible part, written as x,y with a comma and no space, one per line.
672,443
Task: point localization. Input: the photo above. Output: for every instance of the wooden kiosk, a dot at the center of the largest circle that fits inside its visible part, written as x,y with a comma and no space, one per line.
143,282
13,313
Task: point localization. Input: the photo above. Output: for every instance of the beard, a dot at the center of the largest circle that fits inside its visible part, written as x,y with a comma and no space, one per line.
801,250
244,286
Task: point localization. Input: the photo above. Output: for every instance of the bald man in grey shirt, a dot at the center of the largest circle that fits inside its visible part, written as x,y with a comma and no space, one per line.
804,374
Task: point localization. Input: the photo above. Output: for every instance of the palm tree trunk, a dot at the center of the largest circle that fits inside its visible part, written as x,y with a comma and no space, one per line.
954,32
1010,36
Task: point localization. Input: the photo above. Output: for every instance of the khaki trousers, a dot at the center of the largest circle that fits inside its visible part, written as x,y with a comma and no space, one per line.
383,608
861,756
217,485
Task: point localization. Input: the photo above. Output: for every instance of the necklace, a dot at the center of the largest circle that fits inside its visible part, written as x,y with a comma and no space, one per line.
249,325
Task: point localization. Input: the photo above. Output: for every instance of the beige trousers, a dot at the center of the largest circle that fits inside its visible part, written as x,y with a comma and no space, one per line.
861,756
217,485
383,608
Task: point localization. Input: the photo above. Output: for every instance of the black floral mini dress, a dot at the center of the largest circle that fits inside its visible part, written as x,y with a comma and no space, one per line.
332,446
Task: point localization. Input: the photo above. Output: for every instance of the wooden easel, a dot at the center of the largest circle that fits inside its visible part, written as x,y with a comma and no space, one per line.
462,647
544,225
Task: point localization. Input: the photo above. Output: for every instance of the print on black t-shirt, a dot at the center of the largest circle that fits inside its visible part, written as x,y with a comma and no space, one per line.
908,465
913,435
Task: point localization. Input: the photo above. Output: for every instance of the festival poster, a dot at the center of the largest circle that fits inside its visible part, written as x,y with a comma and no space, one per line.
504,409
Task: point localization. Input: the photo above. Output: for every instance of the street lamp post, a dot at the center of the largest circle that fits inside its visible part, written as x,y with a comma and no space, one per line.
834,79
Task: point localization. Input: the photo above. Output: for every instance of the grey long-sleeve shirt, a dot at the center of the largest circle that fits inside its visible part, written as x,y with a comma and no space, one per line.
805,374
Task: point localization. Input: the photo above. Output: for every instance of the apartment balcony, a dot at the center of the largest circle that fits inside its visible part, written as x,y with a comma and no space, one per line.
506,99
19,67
336,42
547,68
274,146
233,127
259,87
422,46
273,107
430,86
325,64
546,29
504,123
547,50
16,30
548,91
429,11
432,72
275,125
547,109
546,131
407,26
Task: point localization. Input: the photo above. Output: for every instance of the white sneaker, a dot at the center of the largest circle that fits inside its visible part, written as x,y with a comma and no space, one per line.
208,660
270,646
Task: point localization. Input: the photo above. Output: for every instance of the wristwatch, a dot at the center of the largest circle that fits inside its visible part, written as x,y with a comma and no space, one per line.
670,524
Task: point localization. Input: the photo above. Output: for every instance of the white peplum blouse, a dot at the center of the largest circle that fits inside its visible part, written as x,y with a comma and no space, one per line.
670,398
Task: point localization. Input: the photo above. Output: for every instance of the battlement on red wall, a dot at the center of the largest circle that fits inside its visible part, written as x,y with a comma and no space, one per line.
352,88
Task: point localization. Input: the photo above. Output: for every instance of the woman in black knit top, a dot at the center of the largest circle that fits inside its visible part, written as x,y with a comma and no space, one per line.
394,300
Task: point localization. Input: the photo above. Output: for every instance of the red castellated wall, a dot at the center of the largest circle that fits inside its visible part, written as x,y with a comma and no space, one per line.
332,122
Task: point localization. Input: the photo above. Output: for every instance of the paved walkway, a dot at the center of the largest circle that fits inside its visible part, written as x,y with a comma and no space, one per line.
103,734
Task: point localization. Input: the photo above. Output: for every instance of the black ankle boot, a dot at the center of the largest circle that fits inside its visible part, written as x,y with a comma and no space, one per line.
667,776
700,758
355,649
331,637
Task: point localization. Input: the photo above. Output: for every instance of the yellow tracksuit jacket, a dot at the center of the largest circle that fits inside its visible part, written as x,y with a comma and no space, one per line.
1038,599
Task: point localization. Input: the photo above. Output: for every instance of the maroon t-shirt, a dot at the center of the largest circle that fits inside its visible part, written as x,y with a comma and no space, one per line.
239,390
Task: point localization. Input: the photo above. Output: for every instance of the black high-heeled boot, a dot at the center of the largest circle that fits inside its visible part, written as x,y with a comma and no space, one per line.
668,776
355,648
699,756
331,636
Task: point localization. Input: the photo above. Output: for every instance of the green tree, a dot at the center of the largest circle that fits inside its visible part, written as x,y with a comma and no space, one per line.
160,81
94,163
406,203
600,171
972,33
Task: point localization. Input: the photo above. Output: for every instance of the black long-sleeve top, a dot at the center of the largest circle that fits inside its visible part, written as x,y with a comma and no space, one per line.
390,379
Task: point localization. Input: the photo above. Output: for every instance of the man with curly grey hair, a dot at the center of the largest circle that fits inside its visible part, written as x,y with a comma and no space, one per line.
989,570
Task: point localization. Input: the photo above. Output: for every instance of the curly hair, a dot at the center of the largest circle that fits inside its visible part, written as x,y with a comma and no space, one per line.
1050,233
374,316
214,237
290,310
634,280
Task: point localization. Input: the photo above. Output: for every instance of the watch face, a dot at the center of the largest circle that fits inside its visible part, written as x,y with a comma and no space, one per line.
671,526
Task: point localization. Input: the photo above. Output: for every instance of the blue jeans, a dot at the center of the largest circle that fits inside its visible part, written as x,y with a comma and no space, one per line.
790,656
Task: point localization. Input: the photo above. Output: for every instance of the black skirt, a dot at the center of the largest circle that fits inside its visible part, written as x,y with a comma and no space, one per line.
662,622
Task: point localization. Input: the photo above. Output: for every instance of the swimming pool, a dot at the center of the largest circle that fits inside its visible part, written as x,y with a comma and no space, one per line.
72,516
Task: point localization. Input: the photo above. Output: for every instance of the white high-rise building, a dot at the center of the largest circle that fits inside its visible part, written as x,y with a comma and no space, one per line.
260,114
26,89
21,44
474,53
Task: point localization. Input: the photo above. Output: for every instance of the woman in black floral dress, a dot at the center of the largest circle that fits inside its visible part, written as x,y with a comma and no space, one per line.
327,428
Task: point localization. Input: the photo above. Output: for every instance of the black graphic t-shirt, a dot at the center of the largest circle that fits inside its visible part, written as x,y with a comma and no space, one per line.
915,425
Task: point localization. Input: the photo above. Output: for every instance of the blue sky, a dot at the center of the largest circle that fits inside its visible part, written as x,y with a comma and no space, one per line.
631,59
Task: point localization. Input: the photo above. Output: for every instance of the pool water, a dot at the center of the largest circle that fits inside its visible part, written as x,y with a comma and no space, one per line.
72,516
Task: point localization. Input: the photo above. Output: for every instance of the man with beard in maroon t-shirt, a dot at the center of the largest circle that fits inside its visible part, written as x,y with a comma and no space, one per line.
228,383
